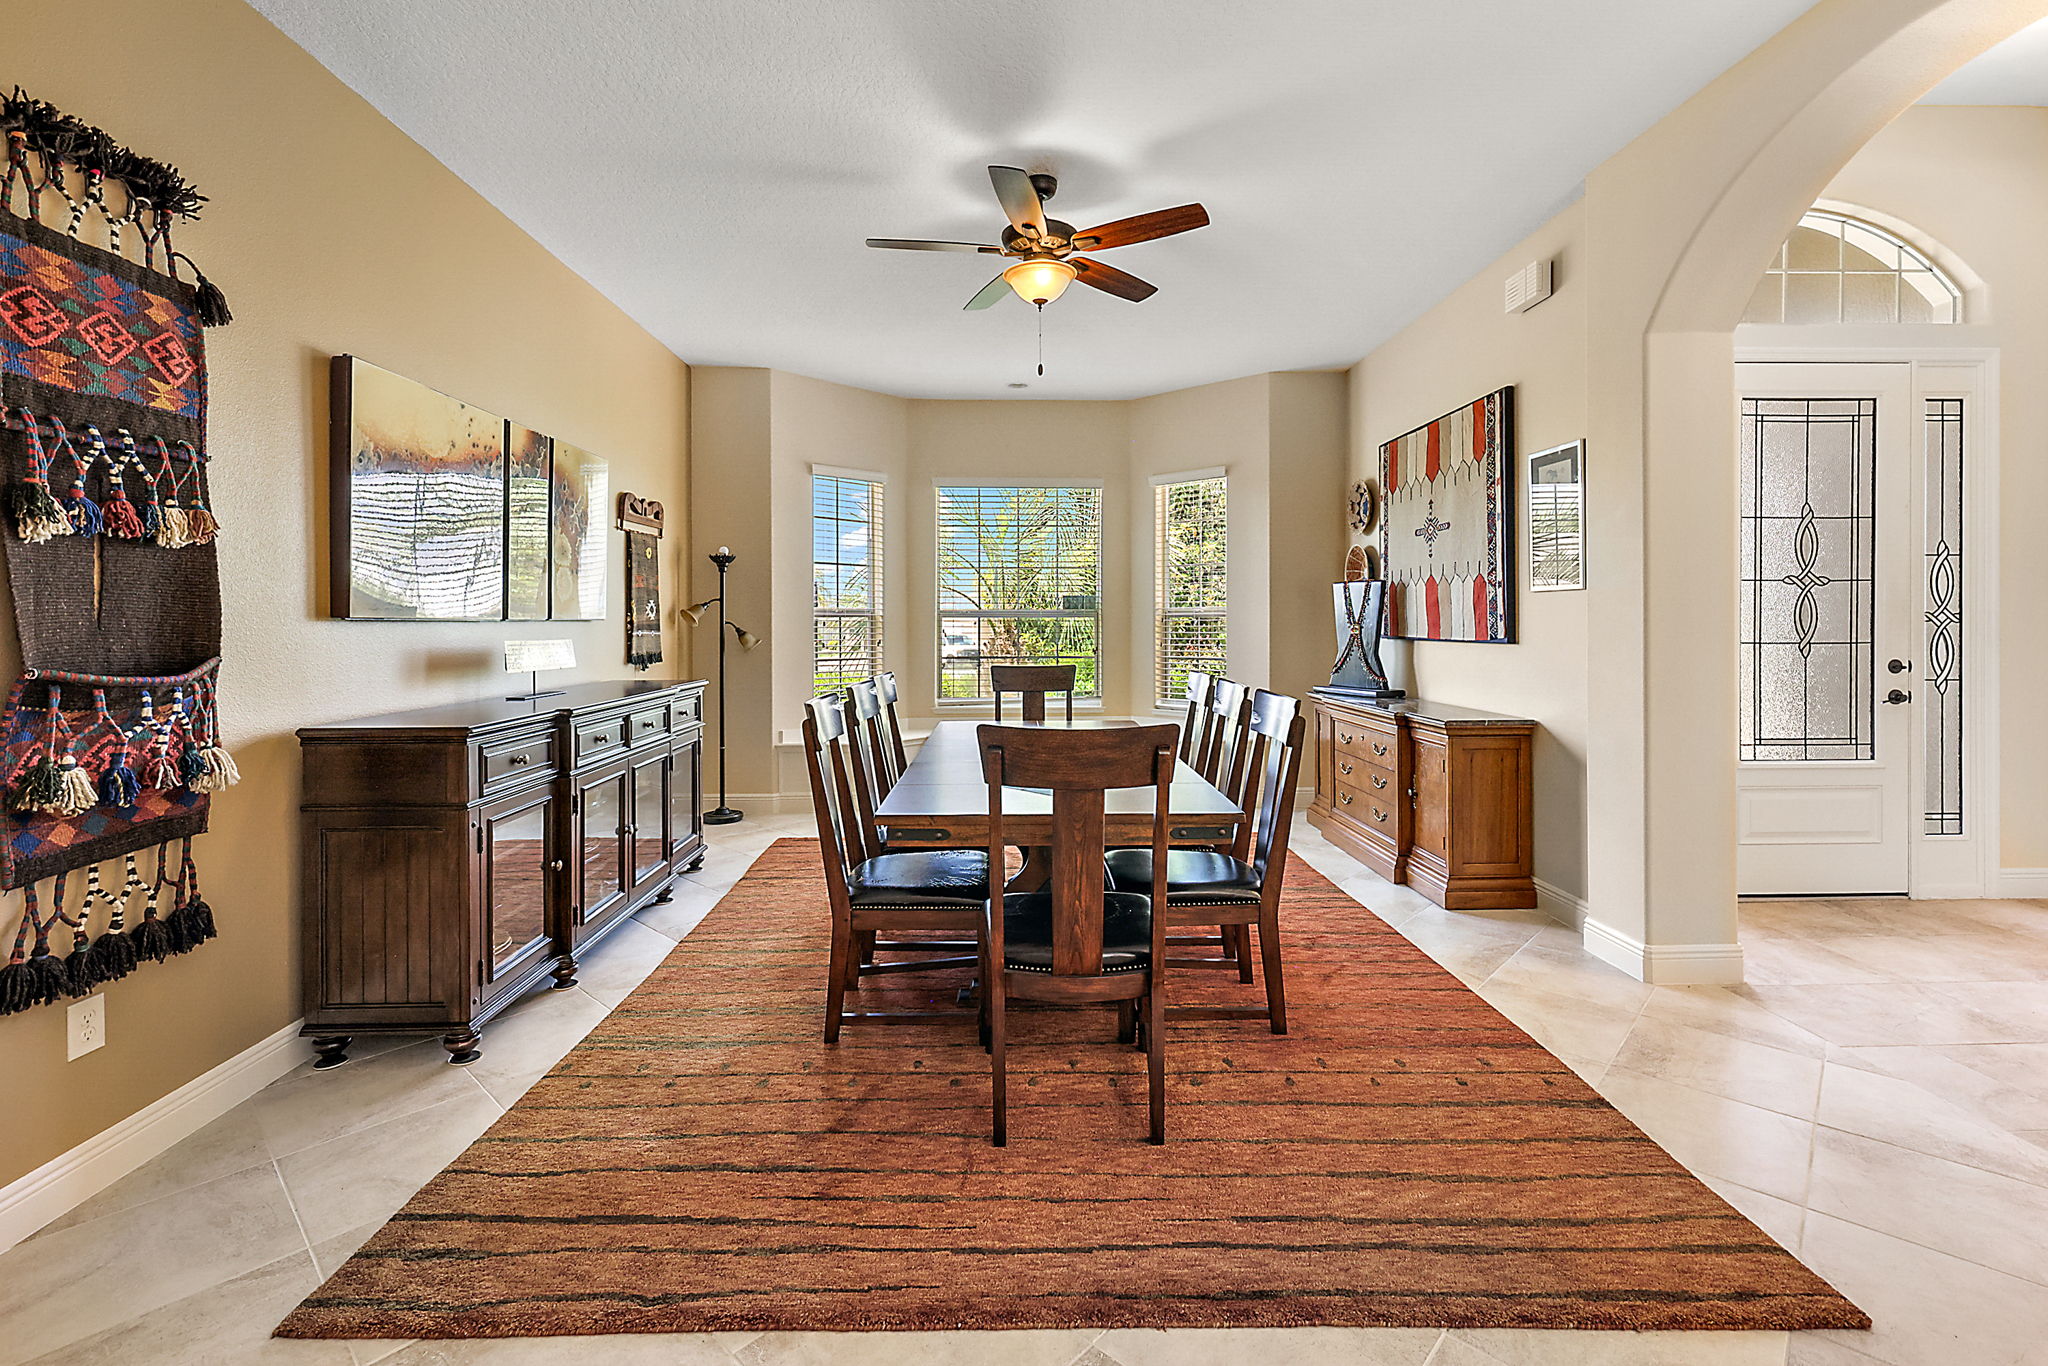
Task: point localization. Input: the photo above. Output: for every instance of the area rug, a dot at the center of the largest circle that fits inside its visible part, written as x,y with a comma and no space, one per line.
1405,1157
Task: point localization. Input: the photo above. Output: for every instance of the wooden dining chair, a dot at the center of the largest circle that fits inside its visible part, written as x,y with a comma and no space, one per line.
1241,888
1075,941
1033,681
1194,729
873,893
1223,742
885,688
869,720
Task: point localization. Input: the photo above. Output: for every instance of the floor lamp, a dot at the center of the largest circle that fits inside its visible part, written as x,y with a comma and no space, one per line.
723,558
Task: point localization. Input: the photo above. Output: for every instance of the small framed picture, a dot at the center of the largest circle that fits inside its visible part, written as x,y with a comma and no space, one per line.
1557,518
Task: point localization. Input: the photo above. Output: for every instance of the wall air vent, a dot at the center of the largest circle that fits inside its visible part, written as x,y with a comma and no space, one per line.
1528,286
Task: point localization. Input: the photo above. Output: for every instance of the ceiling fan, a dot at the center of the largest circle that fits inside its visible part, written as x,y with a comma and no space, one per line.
1048,252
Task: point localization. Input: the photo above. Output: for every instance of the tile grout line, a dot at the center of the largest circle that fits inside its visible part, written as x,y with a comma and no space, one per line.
291,1203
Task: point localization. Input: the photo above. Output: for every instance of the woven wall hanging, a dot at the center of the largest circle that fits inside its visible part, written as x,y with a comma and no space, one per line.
111,739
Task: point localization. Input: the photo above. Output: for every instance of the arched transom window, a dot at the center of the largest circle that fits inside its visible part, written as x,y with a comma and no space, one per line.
1836,269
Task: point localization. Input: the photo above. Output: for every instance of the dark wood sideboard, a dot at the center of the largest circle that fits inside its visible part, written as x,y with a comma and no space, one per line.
454,856
1436,796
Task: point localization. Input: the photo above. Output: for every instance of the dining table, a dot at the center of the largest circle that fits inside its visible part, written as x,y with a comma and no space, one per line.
941,802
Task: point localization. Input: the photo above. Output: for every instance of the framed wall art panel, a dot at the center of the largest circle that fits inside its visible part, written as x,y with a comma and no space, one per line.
1557,518
1447,545
529,489
419,501
577,563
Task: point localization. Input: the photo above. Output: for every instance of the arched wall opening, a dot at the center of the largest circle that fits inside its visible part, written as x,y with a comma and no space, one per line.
1680,224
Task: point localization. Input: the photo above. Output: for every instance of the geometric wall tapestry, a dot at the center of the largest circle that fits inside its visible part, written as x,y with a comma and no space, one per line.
111,735
1447,527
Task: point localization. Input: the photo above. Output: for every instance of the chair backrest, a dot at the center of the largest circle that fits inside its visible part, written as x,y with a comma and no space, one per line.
873,765
1224,743
1195,729
1079,767
885,688
1034,681
827,752
1271,761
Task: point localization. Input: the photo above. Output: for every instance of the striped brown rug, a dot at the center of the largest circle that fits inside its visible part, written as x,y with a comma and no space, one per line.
1406,1157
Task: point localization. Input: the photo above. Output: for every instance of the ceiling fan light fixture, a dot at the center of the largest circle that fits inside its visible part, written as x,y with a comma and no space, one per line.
1039,279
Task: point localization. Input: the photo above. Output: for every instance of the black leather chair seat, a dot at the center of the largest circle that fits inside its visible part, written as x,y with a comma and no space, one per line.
937,877
1193,878
1027,932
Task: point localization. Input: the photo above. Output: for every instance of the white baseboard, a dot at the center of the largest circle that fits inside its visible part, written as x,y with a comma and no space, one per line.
2023,884
68,1180
1560,905
771,803
1664,964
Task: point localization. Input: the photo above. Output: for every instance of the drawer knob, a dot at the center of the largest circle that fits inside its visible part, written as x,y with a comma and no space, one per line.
1379,749
1345,736
1377,780
1378,814
1344,766
1344,798
556,865
520,760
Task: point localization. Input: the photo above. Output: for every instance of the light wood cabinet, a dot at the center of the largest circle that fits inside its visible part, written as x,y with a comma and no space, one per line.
455,857
1438,797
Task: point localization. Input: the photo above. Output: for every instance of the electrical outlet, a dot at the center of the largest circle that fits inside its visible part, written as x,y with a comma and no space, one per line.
86,1026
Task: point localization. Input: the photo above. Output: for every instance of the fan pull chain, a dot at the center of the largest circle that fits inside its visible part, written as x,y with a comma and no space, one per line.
1041,341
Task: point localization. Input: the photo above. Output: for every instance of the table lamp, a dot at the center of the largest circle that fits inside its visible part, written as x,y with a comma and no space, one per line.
531,656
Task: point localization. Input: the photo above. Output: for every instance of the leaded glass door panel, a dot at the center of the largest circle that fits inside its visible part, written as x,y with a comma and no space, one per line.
1829,558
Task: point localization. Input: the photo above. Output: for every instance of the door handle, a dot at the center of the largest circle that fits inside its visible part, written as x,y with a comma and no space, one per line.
1897,697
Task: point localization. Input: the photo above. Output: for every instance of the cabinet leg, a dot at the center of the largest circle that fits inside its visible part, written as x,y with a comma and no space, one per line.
331,1050
564,972
462,1045
696,863
666,894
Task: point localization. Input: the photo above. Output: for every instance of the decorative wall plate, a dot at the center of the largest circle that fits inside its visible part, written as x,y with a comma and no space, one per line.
1354,564
1365,507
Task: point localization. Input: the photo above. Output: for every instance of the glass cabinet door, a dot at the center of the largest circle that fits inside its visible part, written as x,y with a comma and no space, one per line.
686,793
600,852
650,839
518,851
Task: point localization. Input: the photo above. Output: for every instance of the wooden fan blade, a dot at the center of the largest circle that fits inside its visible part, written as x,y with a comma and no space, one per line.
918,244
1110,280
990,293
1143,228
1019,199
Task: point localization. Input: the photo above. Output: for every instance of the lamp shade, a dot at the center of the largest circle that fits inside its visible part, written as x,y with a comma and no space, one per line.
694,614
531,656
1039,279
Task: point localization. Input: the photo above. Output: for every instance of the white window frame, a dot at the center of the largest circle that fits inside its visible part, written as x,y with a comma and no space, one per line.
1161,612
877,562
940,612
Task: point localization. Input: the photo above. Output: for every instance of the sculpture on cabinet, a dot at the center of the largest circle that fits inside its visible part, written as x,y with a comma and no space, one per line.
1358,671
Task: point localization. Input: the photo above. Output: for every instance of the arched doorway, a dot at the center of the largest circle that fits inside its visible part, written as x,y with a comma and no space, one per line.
1681,224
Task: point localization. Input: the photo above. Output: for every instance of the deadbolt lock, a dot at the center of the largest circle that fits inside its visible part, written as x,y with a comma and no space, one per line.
1897,696
1900,666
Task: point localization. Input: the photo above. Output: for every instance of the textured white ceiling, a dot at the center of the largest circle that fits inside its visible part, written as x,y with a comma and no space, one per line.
2014,72
713,165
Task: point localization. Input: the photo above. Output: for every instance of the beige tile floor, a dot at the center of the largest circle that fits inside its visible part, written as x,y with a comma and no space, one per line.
1876,1099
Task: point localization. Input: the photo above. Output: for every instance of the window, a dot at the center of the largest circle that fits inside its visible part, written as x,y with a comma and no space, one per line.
846,580
1191,585
1019,583
1834,269
1942,675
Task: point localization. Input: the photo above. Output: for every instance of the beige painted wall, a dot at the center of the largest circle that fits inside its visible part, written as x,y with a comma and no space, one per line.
329,231
1464,347
1975,180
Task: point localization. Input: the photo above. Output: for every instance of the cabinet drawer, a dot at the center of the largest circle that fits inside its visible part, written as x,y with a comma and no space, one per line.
1372,810
687,710
600,737
1366,745
501,765
1374,774
647,724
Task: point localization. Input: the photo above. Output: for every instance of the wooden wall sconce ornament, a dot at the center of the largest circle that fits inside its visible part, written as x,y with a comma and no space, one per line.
640,519
112,742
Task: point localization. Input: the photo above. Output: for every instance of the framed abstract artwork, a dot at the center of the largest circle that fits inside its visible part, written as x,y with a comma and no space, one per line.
1447,545
419,501
529,491
1557,518
577,559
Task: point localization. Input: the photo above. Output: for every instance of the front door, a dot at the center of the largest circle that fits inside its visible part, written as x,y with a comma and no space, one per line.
1828,623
